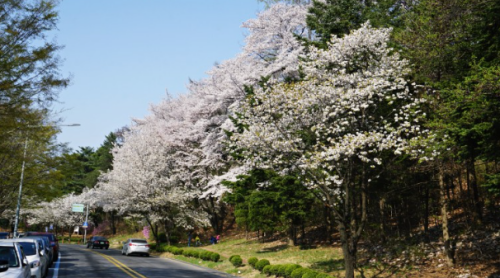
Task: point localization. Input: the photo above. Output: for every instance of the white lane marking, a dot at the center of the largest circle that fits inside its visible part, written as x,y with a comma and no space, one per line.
56,268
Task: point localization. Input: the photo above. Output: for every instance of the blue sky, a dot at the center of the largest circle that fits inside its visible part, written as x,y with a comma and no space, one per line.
123,55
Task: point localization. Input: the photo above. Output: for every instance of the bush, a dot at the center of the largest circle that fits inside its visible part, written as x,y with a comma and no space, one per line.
195,253
261,264
310,274
267,270
178,251
297,273
252,261
274,269
289,269
282,270
236,260
322,275
206,255
215,257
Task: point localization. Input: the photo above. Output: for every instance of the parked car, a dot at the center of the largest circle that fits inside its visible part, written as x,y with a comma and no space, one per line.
4,235
13,263
54,243
38,258
135,246
44,241
98,242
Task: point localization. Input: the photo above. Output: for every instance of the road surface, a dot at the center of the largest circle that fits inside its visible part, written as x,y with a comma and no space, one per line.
76,261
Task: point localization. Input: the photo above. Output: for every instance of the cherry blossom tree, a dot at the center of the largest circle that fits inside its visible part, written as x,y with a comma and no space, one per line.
335,128
144,179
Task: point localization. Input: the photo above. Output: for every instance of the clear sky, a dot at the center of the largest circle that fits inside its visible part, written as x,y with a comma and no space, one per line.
123,55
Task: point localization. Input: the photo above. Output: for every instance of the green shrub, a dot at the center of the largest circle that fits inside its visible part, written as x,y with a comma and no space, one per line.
236,260
274,269
252,261
289,269
178,251
214,257
297,273
195,253
322,275
310,274
261,264
203,254
282,270
267,269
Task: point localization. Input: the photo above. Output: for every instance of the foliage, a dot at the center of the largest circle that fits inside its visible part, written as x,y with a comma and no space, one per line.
259,265
236,260
252,261
265,201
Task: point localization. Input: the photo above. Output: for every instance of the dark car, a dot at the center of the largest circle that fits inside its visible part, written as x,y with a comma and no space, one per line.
98,242
4,235
54,243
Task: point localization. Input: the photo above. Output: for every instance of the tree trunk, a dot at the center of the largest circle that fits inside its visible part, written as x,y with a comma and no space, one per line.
113,224
349,257
382,226
475,190
426,214
448,248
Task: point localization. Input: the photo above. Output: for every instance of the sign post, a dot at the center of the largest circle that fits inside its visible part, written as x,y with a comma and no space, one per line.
79,208
85,226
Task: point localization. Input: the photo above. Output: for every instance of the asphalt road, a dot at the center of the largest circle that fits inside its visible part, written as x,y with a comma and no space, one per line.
76,261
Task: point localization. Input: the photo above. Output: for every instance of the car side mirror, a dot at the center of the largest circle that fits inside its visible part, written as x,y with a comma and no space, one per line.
4,265
25,261
42,253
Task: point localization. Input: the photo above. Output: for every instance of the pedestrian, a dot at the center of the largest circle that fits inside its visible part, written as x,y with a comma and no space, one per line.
217,239
212,239
197,241
189,239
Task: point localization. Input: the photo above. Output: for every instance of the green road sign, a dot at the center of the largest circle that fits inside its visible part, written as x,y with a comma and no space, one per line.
77,207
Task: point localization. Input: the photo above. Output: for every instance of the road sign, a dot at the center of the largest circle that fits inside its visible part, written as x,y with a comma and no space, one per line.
77,207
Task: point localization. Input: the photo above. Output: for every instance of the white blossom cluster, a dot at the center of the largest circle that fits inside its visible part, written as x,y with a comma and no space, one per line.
353,105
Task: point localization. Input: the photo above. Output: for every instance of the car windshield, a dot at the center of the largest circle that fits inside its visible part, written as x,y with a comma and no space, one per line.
139,241
51,237
100,238
8,253
29,248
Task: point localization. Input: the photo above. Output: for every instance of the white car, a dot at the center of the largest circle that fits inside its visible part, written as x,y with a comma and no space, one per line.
13,263
135,246
38,258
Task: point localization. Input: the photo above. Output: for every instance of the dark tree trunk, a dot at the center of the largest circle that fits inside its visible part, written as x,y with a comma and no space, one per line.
448,246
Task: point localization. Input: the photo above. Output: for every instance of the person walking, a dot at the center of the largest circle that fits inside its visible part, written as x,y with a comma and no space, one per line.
217,239
190,236
197,241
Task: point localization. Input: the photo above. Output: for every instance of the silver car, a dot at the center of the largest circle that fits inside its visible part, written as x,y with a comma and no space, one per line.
135,246
13,263
45,243
38,258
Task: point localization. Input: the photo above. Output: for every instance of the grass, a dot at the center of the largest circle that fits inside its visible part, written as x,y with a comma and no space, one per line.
322,259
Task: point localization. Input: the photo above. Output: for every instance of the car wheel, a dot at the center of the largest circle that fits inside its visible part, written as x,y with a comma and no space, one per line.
106,248
127,254
88,246
147,255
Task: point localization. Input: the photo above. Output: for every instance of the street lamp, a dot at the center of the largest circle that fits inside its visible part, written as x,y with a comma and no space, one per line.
16,222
